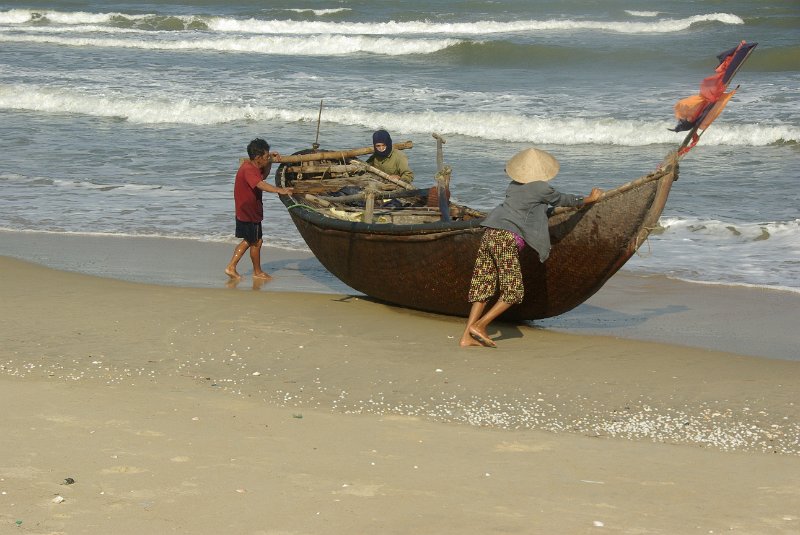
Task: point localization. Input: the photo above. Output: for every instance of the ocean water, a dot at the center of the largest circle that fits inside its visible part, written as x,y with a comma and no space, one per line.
130,118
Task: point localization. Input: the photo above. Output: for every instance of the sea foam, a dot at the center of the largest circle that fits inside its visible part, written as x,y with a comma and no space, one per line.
424,27
692,229
462,28
485,125
328,45
320,12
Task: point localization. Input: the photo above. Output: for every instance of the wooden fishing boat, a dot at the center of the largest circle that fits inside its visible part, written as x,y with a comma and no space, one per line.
397,244
406,253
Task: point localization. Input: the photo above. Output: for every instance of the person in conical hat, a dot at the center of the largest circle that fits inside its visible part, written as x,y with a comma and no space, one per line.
520,221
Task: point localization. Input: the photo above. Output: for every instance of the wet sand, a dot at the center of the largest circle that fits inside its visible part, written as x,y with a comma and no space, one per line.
748,321
206,410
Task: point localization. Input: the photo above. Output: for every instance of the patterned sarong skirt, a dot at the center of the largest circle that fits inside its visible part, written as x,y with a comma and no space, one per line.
497,263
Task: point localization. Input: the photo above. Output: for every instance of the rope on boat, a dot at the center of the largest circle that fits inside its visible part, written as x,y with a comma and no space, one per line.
638,243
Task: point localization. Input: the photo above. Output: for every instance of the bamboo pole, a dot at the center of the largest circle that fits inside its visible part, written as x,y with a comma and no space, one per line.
336,154
314,198
353,167
314,169
386,176
360,181
379,195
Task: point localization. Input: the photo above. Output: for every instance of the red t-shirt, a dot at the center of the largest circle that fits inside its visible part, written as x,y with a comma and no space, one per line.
246,195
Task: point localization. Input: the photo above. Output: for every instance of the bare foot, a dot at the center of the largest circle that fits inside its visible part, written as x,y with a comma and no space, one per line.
469,342
232,273
262,276
482,337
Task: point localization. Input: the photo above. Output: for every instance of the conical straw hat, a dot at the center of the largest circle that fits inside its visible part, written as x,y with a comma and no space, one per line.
531,165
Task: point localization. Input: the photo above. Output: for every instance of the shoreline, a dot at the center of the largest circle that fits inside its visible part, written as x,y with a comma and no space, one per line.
742,320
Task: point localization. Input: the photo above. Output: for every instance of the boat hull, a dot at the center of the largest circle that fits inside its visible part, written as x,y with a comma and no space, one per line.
429,267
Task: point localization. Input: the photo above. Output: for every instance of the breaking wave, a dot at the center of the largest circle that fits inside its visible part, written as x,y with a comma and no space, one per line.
320,12
734,232
20,17
633,13
697,250
485,125
329,45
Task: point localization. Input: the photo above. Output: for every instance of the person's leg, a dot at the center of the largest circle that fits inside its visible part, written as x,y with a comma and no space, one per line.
474,314
255,256
237,255
512,292
478,328
505,256
481,288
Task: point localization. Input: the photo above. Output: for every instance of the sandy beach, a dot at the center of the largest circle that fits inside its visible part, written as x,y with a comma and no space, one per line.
742,320
144,392
134,408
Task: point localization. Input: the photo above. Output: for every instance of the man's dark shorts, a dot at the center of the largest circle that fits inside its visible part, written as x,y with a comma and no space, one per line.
250,232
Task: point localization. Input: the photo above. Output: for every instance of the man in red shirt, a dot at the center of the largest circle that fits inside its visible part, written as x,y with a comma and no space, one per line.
249,208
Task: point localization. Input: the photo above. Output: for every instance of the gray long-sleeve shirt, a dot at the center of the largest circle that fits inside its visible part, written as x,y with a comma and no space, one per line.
524,211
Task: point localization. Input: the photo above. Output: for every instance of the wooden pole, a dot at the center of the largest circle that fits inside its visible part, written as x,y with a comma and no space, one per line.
315,145
442,185
369,205
314,169
439,153
400,193
337,155
314,198
386,176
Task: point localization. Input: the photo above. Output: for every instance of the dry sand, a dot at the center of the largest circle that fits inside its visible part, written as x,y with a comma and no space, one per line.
208,411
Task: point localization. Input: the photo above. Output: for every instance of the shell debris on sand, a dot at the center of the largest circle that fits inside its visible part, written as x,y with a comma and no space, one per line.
722,424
